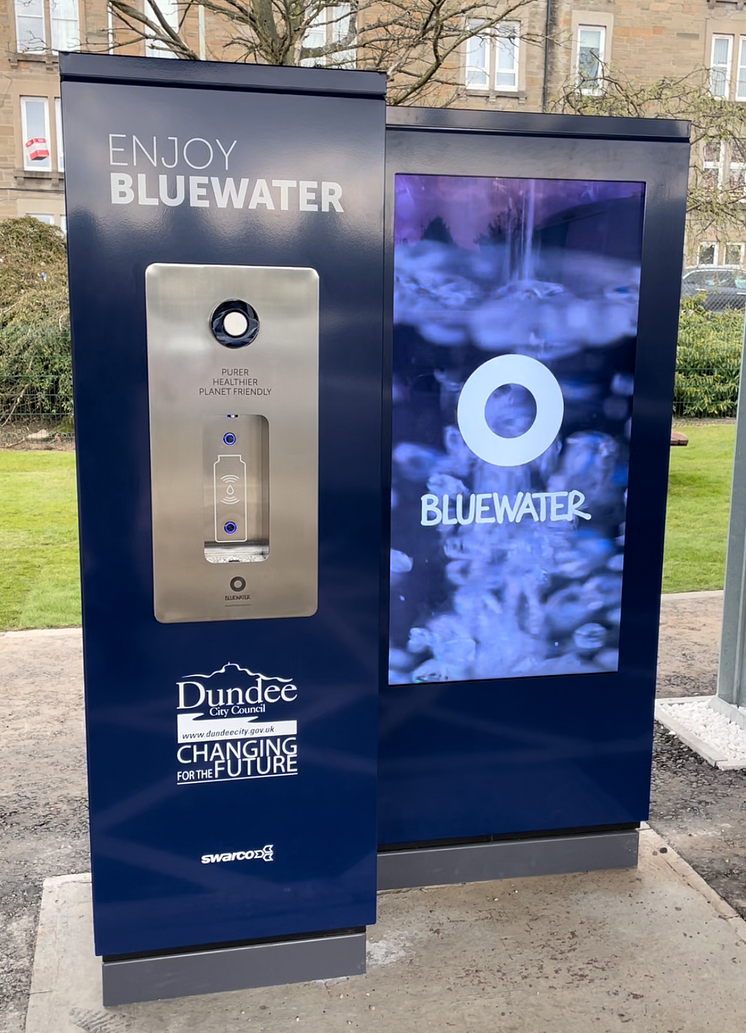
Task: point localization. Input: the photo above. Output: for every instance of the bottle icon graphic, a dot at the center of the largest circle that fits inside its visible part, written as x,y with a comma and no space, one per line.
229,498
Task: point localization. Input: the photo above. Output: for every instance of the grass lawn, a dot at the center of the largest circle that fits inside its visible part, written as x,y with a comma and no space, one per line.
698,504
39,585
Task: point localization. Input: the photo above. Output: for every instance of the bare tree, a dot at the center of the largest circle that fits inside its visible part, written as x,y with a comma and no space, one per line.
417,43
716,201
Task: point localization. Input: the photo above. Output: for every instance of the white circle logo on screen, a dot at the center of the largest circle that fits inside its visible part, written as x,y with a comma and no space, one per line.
550,408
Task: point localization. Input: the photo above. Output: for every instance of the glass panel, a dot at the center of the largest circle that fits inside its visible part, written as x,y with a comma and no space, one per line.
508,499
733,254
47,219
590,56
35,130
315,37
30,33
736,179
506,57
720,65
170,12
63,224
477,58
706,254
65,30
58,127
340,25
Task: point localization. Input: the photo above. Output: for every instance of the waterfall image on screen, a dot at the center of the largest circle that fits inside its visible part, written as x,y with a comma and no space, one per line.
515,322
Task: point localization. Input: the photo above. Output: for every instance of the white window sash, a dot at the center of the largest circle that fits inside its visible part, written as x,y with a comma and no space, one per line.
65,26
506,56
731,247
31,32
339,18
35,134
718,165
315,36
741,77
58,128
477,72
590,57
720,65
170,11
702,247
48,220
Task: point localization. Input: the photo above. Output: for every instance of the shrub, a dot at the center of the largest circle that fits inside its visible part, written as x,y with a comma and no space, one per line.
708,361
35,363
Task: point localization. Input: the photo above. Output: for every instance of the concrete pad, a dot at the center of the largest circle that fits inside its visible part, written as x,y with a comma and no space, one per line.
648,949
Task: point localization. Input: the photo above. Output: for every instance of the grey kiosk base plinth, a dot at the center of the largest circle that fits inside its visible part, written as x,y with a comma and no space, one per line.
246,967
507,859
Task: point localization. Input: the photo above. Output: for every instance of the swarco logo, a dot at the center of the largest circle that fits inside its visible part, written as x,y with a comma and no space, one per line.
265,853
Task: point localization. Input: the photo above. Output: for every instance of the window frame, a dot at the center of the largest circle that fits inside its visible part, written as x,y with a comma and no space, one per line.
27,163
45,30
733,244
331,26
588,89
492,42
729,39
47,45
152,46
707,244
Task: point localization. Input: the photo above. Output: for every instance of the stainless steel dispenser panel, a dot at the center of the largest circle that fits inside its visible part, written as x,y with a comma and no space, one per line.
233,441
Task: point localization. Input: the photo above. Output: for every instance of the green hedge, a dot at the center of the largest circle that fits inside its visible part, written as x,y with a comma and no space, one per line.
708,361
35,366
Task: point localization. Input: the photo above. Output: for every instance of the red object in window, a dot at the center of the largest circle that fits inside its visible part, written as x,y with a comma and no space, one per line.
37,149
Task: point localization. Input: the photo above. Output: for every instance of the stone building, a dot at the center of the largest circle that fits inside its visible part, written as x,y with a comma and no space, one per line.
510,67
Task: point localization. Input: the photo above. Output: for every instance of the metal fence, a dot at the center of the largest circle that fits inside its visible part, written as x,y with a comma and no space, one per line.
36,394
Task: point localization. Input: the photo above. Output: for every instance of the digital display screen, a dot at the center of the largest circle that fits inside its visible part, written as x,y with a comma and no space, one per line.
515,323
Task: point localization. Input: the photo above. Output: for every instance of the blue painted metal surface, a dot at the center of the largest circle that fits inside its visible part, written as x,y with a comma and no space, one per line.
152,888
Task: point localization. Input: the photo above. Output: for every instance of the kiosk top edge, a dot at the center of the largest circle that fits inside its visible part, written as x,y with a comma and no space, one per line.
223,75
521,123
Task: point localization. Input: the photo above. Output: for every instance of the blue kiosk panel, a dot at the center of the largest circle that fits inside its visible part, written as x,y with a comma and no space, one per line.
231,758
535,305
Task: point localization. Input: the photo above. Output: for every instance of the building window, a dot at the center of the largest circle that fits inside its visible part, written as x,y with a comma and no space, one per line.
713,164
170,12
64,20
492,58
331,26
590,58
38,21
35,130
31,35
39,154
47,219
733,254
706,254
720,62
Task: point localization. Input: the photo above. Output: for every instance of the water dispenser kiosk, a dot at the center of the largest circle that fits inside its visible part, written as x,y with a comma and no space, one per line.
534,278
226,272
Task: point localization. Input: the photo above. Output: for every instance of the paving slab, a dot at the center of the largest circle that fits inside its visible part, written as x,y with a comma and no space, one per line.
652,949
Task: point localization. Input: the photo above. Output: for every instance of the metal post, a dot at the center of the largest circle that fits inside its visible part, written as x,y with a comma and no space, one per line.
731,690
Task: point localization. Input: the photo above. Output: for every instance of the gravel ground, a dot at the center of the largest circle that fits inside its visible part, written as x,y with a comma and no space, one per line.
699,810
